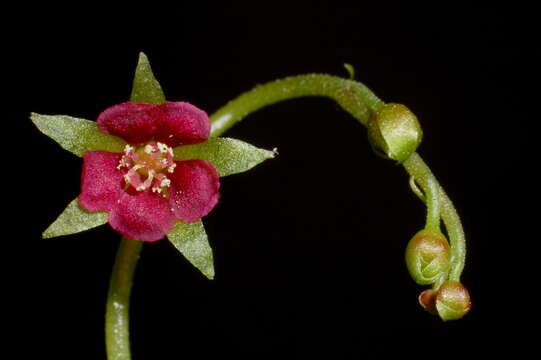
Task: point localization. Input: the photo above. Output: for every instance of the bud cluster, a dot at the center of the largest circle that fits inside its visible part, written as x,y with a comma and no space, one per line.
451,301
428,258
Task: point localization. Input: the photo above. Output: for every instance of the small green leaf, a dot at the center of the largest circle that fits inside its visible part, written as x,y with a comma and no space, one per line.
146,89
76,135
229,156
74,219
191,240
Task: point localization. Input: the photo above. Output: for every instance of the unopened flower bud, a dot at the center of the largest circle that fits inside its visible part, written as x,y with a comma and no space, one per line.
427,299
428,256
394,132
452,301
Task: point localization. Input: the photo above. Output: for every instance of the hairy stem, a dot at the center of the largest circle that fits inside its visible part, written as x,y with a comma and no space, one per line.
352,96
432,204
117,334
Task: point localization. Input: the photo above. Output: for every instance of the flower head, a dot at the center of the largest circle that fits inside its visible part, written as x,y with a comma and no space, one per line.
150,168
143,189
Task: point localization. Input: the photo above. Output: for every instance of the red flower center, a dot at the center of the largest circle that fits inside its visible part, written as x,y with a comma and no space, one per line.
146,166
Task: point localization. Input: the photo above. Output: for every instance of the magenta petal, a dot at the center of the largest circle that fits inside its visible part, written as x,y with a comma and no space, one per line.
194,189
142,216
132,122
181,123
101,181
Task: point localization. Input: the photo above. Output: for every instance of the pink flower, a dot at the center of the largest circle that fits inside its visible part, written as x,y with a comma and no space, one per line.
144,190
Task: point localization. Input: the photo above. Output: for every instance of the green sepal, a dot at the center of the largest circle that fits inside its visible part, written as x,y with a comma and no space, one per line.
76,135
146,89
191,240
73,220
229,156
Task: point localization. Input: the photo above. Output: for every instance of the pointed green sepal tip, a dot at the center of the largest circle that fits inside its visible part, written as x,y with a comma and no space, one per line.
146,89
351,70
74,219
76,135
428,256
191,240
453,301
394,132
228,156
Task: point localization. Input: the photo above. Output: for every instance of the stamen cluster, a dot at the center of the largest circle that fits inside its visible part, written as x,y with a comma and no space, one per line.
146,166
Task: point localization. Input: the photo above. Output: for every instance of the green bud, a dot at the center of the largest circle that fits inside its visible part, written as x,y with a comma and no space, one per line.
428,256
394,132
452,301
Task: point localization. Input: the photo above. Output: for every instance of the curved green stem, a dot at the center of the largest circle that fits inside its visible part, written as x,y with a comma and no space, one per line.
118,301
416,190
352,96
361,103
432,204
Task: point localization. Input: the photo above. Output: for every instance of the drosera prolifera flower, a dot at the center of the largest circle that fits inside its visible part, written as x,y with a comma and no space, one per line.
144,190
151,168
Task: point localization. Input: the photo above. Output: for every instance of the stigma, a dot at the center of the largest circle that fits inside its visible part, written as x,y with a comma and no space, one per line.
146,167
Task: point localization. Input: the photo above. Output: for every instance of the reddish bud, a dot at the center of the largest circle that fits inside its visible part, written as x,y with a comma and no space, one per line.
452,301
427,299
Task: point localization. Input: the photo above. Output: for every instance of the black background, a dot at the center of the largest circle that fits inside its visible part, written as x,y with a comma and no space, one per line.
309,246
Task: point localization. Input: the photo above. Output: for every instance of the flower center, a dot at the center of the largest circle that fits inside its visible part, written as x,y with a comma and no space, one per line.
145,166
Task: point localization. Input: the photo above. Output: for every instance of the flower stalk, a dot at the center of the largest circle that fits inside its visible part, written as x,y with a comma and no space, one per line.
432,205
359,101
354,97
118,301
